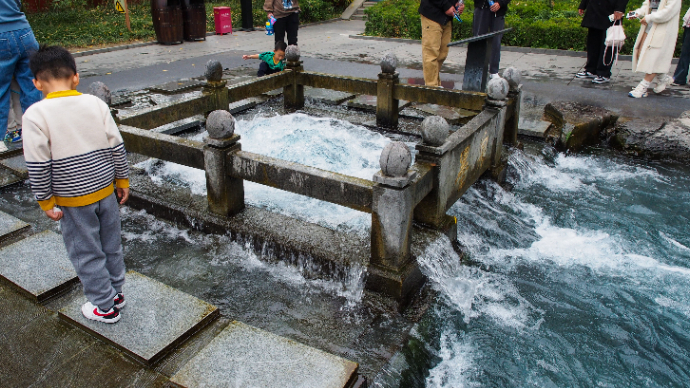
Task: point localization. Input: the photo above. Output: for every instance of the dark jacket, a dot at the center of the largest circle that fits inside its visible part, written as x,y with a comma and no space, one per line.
597,12
501,11
436,10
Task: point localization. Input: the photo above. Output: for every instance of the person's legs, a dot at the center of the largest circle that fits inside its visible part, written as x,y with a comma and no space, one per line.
432,33
606,56
497,24
292,28
22,73
263,69
81,233
8,60
594,39
446,34
110,233
681,75
279,29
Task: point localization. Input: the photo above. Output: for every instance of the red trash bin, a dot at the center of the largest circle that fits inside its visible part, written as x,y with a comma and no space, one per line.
222,17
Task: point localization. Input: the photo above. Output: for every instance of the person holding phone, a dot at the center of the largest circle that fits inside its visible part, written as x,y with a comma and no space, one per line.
437,27
655,44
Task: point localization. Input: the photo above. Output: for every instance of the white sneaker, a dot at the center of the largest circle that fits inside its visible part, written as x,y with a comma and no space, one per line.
95,314
639,92
663,83
494,75
3,147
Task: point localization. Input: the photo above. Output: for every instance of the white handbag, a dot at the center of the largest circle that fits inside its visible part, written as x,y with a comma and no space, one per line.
615,39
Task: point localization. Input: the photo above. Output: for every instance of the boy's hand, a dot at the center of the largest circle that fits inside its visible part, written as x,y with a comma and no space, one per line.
53,215
123,194
245,57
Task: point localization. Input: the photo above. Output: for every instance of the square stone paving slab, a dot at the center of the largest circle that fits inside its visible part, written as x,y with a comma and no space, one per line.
244,356
11,227
8,178
533,127
367,102
17,165
156,319
177,86
454,116
38,265
327,96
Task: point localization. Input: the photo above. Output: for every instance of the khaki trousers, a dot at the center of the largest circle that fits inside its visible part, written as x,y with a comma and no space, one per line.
435,38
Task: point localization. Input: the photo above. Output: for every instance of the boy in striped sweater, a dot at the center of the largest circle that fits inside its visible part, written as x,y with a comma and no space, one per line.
74,153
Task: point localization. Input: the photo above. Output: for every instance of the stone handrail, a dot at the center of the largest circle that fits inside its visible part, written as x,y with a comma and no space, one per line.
165,147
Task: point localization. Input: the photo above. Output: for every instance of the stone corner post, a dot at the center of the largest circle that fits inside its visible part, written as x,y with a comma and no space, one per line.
386,104
510,135
215,87
431,211
225,194
293,94
391,269
497,92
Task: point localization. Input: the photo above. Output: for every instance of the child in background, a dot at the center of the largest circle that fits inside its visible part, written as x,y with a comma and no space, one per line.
74,153
271,62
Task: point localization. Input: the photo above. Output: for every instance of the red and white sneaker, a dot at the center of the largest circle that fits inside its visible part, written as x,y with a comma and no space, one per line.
94,313
119,300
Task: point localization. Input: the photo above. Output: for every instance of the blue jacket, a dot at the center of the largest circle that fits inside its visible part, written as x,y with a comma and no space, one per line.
11,17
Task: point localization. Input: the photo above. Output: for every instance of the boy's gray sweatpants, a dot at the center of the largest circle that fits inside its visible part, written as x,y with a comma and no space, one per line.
92,238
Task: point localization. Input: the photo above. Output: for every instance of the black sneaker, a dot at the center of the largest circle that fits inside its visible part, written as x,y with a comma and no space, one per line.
585,74
601,80
119,300
95,314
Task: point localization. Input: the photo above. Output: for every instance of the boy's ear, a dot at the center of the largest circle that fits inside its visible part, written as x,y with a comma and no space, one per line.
37,84
75,80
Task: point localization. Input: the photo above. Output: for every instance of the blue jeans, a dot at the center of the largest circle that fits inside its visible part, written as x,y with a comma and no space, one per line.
15,49
681,74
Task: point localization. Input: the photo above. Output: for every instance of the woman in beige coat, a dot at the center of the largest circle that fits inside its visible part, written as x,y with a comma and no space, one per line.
655,43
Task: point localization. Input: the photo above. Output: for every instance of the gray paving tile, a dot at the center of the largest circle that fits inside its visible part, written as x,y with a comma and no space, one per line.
17,165
156,319
454,116
369,103
38,265
533,127
244,356
11,227
327,96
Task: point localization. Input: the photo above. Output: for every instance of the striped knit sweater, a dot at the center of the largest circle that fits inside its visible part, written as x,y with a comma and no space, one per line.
73,150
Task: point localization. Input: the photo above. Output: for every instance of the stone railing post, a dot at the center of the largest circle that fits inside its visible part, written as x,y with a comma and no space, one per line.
497,93
386,104
391,270
215,87
510,135
431,211
293,94
225,194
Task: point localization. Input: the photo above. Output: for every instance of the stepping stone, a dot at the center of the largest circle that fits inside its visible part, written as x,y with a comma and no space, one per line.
247,103
7,178
38,266
250,357
118,100
17,165
274,92
327,96
180,125
533,127
11,227
156,320
173,87
454,116
369,103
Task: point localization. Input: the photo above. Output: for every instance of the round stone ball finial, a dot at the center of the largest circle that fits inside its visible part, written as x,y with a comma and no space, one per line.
395,159
512,75
214,71
435,130
389,63
220,124
292,53
100,90
497,89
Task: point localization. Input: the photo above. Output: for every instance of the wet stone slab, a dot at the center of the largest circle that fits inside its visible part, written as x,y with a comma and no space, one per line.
38,265
249,357
173,87
17,165
327,96
369,103
11,227
156,319
247,103
454,116
533,127
7,178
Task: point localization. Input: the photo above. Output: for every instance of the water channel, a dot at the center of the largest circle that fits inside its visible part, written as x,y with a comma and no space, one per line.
574,275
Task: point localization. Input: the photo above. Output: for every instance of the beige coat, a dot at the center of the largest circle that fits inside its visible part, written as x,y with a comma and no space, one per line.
656,52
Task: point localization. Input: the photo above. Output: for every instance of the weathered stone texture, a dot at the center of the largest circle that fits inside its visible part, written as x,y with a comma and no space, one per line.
658,138
100,90
577,125
435,130
395,159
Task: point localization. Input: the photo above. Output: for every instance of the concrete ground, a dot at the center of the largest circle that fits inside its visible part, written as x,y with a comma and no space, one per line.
335,48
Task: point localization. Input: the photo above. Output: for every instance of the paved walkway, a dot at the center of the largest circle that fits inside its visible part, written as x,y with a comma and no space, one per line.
334,48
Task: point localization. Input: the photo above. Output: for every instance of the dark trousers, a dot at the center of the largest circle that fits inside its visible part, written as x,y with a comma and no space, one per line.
597,53
681,74
289,24
485,21
265,70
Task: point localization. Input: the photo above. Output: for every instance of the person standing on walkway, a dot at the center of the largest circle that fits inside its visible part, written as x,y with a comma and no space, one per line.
680,77
286,13
490,16
596,20
655,44
437,28
17,42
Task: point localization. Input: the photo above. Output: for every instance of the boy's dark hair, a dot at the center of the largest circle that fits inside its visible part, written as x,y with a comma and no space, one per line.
52,62
280,46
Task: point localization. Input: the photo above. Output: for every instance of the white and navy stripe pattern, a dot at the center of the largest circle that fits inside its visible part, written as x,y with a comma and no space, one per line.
78,175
